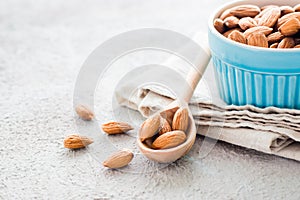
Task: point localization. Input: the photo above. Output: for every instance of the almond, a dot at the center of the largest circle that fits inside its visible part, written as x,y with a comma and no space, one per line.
169,140
245,11
238,37
297,46
227,33
118,159
181,119
267,7
287,42
258,29
286,10
257,17
231,22
225,14
290,27
168,114
149,128
275,37
258,39
297,8
148,142
287,17
116,127
219,25
84,112
77,141
165,127
274,46
270,18
247,22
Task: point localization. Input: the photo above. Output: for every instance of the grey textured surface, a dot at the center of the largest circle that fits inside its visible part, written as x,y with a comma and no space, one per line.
42,46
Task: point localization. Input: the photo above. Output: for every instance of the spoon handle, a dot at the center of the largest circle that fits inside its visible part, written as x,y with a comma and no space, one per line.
195,74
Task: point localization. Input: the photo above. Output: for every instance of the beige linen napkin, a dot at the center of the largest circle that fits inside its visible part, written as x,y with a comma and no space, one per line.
270,130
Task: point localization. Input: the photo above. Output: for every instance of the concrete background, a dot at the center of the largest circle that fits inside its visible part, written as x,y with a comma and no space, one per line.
42,47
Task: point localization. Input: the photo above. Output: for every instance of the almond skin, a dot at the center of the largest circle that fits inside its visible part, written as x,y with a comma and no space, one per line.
258,29
290,27
77,141
118,159
169,140
287,42
165,127
149,128
258,39
84,112
270,18
116,127
219,25
231,22
275,37
245,11
247,22
238,37
181,120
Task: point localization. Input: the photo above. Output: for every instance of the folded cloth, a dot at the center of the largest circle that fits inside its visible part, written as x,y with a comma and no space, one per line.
271,130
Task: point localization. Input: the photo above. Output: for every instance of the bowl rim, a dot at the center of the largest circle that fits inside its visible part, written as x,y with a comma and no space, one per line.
231,4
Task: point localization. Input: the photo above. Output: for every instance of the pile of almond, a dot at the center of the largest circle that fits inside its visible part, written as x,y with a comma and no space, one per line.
160,132
270,26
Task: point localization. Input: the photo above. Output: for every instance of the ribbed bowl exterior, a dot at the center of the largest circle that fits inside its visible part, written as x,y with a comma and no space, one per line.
253,75
241,87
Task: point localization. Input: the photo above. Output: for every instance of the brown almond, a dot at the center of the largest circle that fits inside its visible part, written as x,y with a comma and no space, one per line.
237,36
148,142
270,18
275,37
286,10
274,46
165,127
287,17
247,22
245,11
169,140
297,46
257,17
297,8
268,7
219,25
116,127
227,33
258,29
84,112
231,22
168,114
258,39
290,27
118,159
77,141
225,14
149,128
181,119
287,42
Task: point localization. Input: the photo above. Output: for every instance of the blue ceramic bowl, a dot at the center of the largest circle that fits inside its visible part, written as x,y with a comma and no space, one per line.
254,75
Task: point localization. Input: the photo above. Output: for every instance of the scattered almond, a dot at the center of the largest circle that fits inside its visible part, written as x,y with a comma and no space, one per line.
118,159
149,128
84,112
287,42
77,141
231,22
165,127
258,29
257,39
290,27
181,119
238,37
247,22
116,127
245,11
270,17
169,140
219,25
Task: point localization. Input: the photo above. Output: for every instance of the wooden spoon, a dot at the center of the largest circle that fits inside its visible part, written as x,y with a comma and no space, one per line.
172,154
